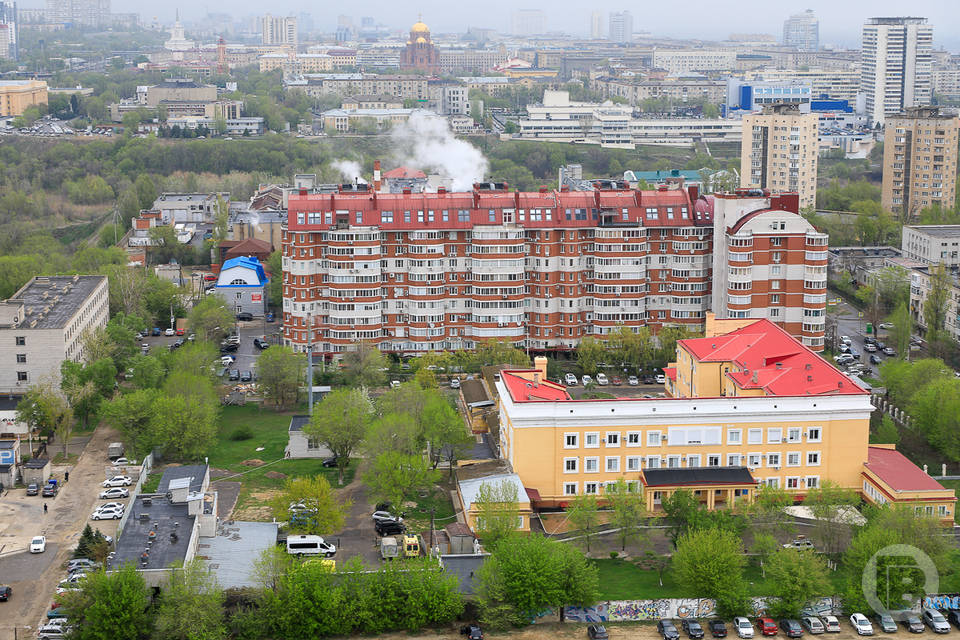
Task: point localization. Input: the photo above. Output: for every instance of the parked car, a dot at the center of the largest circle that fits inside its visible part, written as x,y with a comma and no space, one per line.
246,376
114,493
226,361
889,351
647,379
5,592
869,340
389,527
633,381
38,544
743,627
791,628
455,383
874,359
107,514
49,490
244,316
385,516
953,617
111,505
597,632
82,563
118,481
667,630
870,348
661,379
692,628
913,623
831,624
570,379
260,343
846,340
800,542
234,375
767,626
33,489
602,380
169,332
472,631
886,623
861,624
156,332
616,381
935,620
228,347
585,379
121,462
329,462
718,628
813,625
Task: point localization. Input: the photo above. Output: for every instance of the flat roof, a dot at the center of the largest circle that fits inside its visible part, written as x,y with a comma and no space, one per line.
235,549
161,517
693,476
464,567
51,301
938,230
36,463
297,423
896,470
192,472
470,488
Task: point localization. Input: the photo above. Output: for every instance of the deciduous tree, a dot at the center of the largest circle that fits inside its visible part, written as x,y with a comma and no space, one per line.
365,366
830,504
280,372
109,606
393,475
710,562
341,422
210,319
796,578
498,511
628,511
191,605
324,513
583,514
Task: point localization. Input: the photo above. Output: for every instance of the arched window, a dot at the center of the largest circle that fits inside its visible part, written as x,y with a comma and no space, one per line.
238,281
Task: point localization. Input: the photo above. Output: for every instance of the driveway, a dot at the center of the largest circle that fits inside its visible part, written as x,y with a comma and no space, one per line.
358,537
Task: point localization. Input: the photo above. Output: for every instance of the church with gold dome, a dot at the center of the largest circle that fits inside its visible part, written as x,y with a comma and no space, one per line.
420,52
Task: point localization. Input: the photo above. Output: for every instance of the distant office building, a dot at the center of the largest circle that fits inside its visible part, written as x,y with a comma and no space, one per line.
895,68
278,30
686,60
919,160
17,95
621,26
528,22
779,151
746,96
78,13
802,31
596,25
9,35
932,244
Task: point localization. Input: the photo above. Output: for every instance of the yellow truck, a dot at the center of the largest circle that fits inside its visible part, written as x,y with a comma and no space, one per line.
399,547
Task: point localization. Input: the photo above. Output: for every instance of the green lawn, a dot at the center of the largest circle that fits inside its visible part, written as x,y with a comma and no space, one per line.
439,501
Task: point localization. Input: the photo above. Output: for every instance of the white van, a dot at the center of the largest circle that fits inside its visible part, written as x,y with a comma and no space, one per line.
309,546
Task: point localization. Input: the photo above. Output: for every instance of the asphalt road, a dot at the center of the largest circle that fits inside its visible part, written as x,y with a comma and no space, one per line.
851,325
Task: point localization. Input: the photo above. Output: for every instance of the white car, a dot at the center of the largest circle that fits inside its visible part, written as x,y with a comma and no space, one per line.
226,361
570,379
831,624
585,379
847,341
633,381
870,348
118,481
51,631
455,383
661,379
170,332
107,514
38,544
122,462
73,579
861,624
111,505
602,380
115,492
743,627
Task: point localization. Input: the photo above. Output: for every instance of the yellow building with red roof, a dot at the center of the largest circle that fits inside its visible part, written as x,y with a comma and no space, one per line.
748,405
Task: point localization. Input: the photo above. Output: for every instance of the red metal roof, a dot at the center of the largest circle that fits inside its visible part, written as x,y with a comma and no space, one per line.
523,390
896,470
404,172
771,359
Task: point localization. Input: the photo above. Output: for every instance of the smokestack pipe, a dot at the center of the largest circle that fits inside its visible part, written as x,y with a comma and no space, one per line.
376,176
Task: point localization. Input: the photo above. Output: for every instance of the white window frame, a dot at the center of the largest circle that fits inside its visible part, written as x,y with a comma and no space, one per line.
775,435
590,485
653,438
576,441
816,482
576,465
616,463
755,436
799,459
638,435
616,437
634,464
794,434
759,460
796,482
819,437
586,464
673,459
586,440
773,482
731,462
652,462
770,457
567,486
711,456
819,458
694,458
738,440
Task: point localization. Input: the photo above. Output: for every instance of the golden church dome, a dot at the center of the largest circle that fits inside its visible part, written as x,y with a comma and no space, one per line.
421,40
419,27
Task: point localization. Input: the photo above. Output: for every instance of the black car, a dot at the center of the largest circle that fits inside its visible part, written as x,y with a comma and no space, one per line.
246,376
260,343
390,528
597,632
472,631
234,375
718,628
953,617
330,462
692,628
913,624
226,347
5,592
49,491
869,340
791,628
245,316
33,489
667,631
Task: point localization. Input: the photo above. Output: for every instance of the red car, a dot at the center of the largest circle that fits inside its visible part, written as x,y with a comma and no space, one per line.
179,332
767,626
209,277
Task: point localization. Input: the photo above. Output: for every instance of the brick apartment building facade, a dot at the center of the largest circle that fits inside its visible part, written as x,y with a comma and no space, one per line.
414,272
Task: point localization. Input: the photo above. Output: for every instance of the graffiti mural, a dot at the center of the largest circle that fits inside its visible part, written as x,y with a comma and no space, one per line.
596,613
677,608
637,610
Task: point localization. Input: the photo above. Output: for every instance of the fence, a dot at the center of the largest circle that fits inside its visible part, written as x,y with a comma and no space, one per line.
675,608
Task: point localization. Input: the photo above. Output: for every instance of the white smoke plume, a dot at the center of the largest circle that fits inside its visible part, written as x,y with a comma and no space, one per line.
349,169
426,142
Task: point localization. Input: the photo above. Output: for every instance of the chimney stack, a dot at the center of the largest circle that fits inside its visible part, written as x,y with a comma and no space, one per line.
376,176
540,364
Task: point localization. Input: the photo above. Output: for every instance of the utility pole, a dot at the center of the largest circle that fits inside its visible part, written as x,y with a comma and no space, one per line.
310,364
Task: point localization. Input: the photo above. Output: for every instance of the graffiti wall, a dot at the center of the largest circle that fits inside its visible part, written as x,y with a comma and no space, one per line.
676,608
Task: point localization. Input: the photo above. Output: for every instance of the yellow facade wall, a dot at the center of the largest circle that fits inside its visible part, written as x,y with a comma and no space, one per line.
17,95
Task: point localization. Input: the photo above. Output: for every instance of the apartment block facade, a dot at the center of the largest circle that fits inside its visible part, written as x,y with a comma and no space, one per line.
802,31
919,160
415,272
780,150
748,406
932,244
896,62
278,30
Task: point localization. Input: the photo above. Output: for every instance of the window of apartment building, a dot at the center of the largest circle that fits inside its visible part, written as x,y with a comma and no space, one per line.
653,438
755,436
792,482
21,376
774,284
571,440
776,270
21,358
812,482
775,298
793,459
773,459
591,464
673,462
813,434
713,460
613,464
773,483
491,216
633,463
793,434
591,440
775,312
776,242
445,215
774,435
653,462
571,465
734,436
754,459
569,488
20,341
693,460
590,488
463,215
813,458
613,438
406,216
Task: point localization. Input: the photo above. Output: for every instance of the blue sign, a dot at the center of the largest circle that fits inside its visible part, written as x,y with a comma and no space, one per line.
6,456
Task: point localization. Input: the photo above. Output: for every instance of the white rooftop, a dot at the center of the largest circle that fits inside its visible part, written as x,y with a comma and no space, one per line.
470,488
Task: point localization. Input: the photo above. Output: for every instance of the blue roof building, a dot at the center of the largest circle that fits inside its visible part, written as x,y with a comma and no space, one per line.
243,285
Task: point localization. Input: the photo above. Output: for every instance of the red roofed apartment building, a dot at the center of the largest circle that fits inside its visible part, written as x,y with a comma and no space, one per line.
415,272
748,406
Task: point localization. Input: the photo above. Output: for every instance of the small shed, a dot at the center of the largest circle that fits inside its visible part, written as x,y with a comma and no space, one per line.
299,445
461,538
36,470
473,394
9,462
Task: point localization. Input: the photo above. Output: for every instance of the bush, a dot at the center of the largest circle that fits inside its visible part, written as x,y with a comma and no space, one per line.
241,433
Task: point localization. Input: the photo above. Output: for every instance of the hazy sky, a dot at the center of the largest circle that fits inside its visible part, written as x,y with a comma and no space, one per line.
840,20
